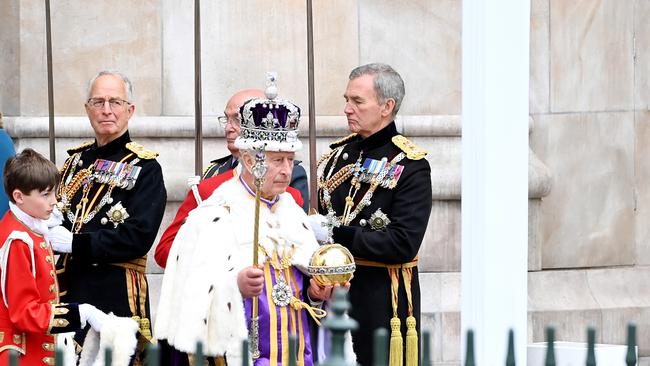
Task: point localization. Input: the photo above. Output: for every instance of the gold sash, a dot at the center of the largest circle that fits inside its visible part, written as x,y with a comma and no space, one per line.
396,348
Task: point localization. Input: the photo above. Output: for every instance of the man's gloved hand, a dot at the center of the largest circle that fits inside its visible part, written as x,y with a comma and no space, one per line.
61,239
317,223
93,316
250,281
193,183
56,218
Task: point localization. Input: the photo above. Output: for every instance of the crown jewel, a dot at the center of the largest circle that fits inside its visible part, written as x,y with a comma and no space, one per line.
269,123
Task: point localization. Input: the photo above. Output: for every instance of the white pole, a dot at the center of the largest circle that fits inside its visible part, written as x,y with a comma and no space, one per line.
495,177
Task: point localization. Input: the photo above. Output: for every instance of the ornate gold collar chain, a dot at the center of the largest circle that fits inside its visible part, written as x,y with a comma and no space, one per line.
331,182
86,209
281,292
277,262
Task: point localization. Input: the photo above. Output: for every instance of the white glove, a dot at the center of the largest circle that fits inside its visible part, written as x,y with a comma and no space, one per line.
61,239
193,182
93,316
56,218
317,223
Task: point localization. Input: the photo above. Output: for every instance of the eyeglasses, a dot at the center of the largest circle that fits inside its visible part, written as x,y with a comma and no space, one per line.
224,120
114,103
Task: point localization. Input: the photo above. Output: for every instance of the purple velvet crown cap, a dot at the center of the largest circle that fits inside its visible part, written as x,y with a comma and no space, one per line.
275,115
269,123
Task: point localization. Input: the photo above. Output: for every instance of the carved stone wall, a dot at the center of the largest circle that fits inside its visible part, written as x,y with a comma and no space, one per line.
589,241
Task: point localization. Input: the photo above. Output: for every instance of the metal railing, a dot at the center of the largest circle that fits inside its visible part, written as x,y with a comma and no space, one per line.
338,324
550,359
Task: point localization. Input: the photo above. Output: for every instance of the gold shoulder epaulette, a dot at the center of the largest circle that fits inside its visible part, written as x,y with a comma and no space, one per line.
342,141
81,147
141,151
412,151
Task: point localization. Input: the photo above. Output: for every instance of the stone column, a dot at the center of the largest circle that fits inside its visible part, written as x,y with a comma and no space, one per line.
10,60
495,176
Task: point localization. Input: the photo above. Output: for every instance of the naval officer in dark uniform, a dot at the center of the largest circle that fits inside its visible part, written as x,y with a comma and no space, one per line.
113,198
375,191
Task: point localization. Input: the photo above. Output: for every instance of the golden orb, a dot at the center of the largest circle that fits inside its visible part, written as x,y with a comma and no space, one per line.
331,264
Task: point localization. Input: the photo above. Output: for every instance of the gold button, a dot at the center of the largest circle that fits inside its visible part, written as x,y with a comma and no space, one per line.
52,273
52,287
17,339
61,309
116,216
51,302
43,245
48,360
48,346
48,259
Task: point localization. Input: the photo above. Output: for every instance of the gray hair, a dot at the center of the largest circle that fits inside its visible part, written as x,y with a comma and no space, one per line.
249,152
388,83
243,152
125,79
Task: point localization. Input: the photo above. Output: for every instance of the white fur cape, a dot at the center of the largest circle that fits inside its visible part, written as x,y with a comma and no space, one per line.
199,298
118,334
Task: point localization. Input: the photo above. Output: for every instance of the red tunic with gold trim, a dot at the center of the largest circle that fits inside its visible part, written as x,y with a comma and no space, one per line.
29,309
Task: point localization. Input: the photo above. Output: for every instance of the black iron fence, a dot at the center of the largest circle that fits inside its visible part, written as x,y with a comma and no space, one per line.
338,324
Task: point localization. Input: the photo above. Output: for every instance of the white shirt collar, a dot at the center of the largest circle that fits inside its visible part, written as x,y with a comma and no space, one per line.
37,225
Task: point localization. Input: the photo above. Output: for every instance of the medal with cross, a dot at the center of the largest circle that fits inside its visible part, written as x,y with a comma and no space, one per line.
331,221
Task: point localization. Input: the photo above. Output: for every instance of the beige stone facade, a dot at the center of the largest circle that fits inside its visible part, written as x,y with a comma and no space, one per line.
589,189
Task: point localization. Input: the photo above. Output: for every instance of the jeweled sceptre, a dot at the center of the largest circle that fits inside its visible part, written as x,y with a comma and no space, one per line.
259,171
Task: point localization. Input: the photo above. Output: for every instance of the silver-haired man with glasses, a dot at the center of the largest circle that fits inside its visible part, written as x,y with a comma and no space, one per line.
108,110
231,127
112,199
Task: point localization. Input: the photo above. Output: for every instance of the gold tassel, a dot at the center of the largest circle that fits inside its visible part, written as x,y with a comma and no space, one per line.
411,342
396,348
145,329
